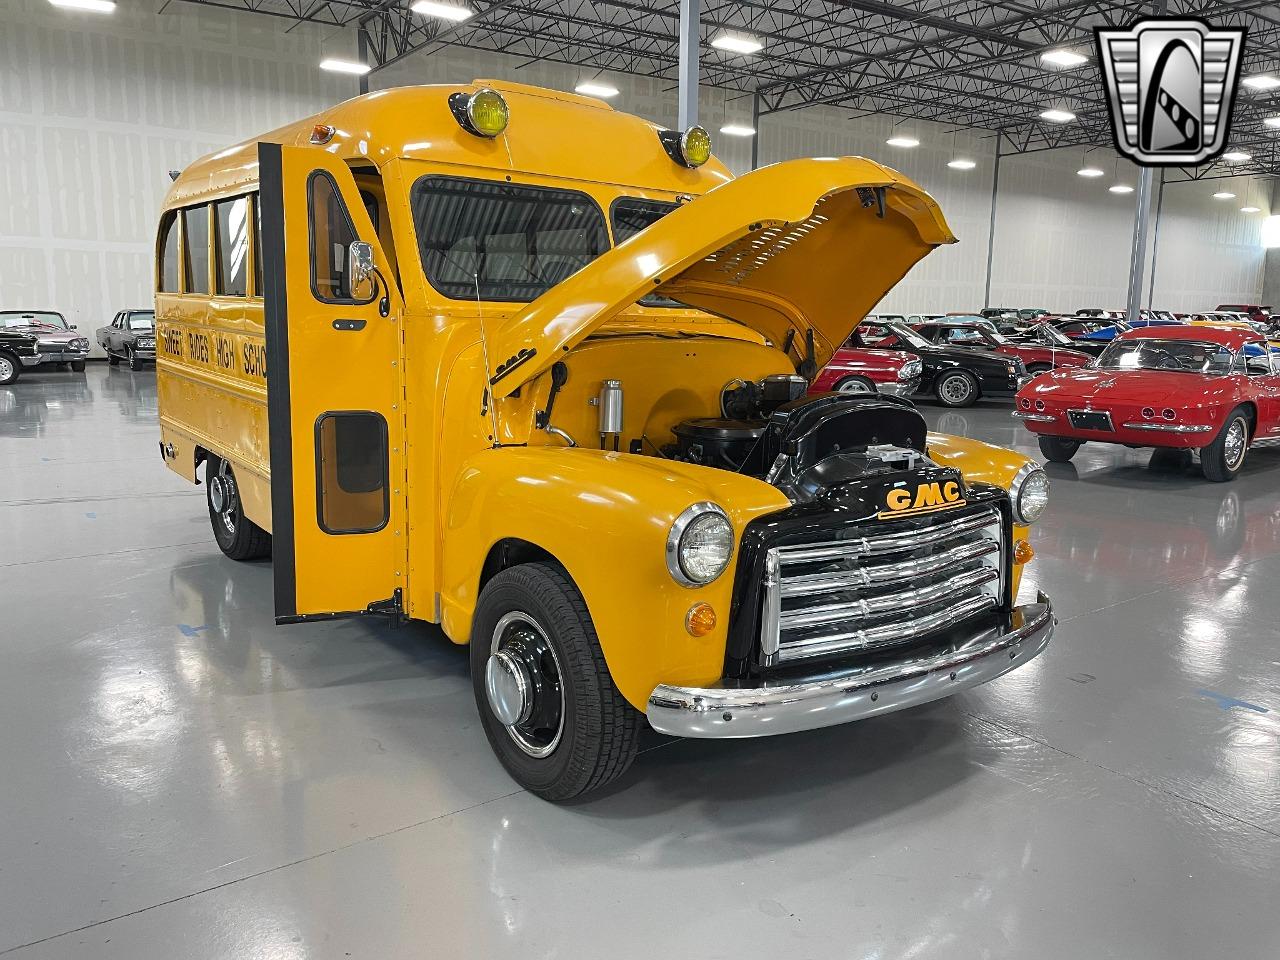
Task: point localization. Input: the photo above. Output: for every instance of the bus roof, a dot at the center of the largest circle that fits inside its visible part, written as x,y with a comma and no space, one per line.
551,133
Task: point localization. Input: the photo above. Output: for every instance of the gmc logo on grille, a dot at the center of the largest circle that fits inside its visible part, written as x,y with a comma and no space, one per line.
938,495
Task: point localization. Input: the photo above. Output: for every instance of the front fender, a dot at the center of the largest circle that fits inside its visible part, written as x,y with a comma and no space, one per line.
605,518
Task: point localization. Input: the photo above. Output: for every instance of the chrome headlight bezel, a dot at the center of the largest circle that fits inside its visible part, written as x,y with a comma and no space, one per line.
910,370
1030,477
699,513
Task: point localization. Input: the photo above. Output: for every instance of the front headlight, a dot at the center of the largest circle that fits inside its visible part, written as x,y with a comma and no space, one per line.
699,545
1029,493
910,370
80,344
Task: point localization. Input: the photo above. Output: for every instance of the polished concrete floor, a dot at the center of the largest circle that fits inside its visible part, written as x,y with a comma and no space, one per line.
179,778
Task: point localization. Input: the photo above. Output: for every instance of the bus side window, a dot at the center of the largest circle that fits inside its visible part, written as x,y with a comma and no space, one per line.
257,245
168,247
231,240
195,230
331,234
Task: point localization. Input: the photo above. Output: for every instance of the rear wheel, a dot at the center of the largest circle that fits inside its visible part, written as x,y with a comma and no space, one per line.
547,702
1058,449
855,385
10,369
956,388
1222,459
238,536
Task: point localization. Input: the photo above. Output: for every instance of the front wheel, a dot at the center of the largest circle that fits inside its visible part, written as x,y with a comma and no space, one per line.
77,366
855,385
1058,449
956,388
547,702
1222,459
134,362
238,536
10,369
112,358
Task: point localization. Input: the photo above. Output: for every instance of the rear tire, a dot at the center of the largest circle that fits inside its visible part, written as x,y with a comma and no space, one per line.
1222,459
237,536
1058,449
573,732
10,369
956,388
855,385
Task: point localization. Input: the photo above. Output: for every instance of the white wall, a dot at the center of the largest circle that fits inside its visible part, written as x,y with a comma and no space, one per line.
95,110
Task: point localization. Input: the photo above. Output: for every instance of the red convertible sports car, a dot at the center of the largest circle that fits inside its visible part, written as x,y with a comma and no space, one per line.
858,370
1205,388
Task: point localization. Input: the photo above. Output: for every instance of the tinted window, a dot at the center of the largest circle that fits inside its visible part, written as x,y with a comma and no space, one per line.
630,215
331,234
195,226
168,253
231,240
351,460
512,242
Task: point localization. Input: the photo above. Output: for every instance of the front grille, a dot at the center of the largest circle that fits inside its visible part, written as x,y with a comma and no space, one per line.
885,585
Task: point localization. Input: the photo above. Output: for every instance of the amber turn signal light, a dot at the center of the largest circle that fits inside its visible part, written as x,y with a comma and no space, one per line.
700,620
1022,552
322,133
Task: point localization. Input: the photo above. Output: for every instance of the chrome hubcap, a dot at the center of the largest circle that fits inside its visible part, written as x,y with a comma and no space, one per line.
523,686
853,386
956,389
6,368
1235,443
223,497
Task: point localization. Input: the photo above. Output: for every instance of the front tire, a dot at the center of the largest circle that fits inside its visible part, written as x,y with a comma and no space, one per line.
1222,459
237,536
547,702
10,369
855,385
112,358
134,362
77,366
956,388
1058,449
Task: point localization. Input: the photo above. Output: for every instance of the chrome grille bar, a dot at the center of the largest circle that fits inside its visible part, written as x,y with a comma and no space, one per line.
864,607
888,542
889,573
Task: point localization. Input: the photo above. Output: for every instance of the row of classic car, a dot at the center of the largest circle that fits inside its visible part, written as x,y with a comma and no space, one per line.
44,338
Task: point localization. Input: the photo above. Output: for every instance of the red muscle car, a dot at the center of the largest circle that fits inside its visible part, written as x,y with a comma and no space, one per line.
976,332
860,370
1211,389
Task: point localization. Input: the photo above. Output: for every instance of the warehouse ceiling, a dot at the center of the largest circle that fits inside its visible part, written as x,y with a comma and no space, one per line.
971,63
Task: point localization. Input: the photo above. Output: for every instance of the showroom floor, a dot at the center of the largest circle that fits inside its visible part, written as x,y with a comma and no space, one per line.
181,778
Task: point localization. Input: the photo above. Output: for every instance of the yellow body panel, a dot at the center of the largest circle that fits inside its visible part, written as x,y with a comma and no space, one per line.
603,515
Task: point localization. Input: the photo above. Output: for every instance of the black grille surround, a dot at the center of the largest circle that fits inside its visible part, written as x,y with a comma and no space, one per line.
848,514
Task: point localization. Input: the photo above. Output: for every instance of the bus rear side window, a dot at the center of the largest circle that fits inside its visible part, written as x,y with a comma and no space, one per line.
331,235
195,230
168,247
231,233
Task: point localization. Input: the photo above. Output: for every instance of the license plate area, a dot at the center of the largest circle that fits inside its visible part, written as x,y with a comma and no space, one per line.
1090,420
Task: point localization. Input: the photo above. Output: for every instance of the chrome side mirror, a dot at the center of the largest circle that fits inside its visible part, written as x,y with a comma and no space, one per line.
360,259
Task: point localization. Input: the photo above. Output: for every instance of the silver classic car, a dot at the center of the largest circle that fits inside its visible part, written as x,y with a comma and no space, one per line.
131,336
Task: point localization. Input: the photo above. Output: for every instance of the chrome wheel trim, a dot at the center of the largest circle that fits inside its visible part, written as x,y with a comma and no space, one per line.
852,385
1233,446
517,625
223,497
6,368
957,388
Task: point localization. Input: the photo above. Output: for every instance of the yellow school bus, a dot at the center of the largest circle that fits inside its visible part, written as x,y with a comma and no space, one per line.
509,361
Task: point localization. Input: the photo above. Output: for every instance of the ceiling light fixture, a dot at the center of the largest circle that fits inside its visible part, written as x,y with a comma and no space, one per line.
90,6
336,65
443,11
1250,209
960,164
903,142
1236,156
1054,115
589,88
1272,122
1120,188
1261,81
737,130
736,43
1224,195
1089,172
1063,58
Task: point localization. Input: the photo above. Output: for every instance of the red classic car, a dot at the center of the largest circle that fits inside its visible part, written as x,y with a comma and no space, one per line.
859,370
971,331
1211,389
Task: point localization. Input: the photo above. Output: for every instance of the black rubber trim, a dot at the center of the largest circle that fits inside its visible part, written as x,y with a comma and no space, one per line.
386,473
279,413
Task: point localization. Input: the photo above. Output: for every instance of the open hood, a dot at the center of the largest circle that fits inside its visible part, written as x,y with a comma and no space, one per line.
805,245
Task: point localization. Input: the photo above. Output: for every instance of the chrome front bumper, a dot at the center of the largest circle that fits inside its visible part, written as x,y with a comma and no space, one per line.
899,388
31,361
722,712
